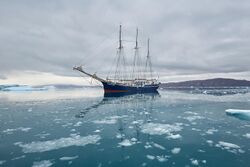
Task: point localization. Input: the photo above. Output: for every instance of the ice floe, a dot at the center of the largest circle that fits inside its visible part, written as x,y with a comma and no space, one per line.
159,146
175,150
68,158
211,131
210,142
42,146
238,113
174,136
229,147
162,158
160,129
193,118
44,163
151,157
10,131
2,162
79,123
247,135
194,162
127,142
20,157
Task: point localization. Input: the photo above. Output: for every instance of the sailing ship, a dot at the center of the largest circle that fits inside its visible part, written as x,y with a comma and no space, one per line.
137,81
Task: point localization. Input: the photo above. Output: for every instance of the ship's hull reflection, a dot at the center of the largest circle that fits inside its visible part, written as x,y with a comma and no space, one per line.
119,98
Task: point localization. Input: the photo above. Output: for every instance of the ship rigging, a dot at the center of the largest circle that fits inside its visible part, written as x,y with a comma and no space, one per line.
138,81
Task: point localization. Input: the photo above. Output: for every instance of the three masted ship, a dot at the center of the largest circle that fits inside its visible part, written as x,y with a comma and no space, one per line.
139,79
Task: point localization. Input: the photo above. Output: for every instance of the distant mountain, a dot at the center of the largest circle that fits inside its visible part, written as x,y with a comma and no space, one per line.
217,82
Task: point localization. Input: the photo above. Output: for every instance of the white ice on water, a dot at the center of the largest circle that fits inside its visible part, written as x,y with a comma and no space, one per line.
229,147
176,150
160,129
42,146
44,163
127,142
68,158
10,131
245,113
109,120
247,135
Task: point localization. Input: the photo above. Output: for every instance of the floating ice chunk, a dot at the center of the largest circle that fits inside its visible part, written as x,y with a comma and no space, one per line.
10,131
190,112
144,164
194,162
109,120
247,135
97,131
159,146
44,163
204,161
42,135
68,158
159,129
126,143
162,158
175,150
119,136
79,123
210,142
241,114
174,136
2,162
229,147
147,145
151,157
42,146
193,118
20,157
211,131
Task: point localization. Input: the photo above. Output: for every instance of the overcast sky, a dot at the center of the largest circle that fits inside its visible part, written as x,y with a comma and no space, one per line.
41,41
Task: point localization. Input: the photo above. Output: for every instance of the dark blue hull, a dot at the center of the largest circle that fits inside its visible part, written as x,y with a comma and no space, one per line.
116,88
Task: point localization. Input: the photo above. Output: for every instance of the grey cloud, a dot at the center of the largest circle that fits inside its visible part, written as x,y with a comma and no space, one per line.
186,36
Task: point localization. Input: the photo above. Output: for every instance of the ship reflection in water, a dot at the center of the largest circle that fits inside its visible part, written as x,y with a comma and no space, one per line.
120,98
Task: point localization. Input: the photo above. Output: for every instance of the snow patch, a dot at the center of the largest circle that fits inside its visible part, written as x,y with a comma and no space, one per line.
42,146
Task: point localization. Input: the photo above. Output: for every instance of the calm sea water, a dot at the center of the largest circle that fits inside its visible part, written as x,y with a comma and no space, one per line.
83,128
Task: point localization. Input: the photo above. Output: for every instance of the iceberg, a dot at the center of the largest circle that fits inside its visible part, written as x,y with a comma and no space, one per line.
23,88
238,113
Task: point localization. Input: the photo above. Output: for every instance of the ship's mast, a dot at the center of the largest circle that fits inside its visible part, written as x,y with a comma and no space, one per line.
136,62
120,64
149,63
120,38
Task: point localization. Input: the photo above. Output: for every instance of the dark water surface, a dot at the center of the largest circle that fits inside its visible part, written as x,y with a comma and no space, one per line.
82,128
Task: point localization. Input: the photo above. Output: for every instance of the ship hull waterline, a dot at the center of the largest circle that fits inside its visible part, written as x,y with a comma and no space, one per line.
112,88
